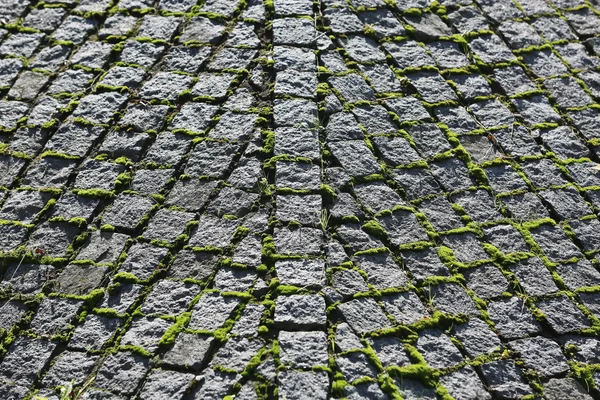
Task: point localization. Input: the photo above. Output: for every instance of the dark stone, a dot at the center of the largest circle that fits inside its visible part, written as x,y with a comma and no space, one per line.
211,159
506,238
127,211
544,63
146,333
93,333
477,337
534,277
300,241
190,350
80,279
355,157
68,367
491,49
300,312
447,55
542,355
166,384
213,232
408,54
382,272
512,318
465,384
26,357
432,87
450,298
291,383
27,278
143,260
486,281
169,298
416,182
563,315
121,297
364,315
437,349
428,26
423,264
122,372
53,315
406,308
193,265
554,243
166,225
520,34
303,349
211,312
24,205
505,379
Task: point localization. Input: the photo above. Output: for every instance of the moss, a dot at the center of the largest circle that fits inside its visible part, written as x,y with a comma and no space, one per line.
268,249
53,123
374,229
378,250
136,349
351,219
50,153
89,299
413,12
169,336
446,255
338,386
263,330
94,193
328,191
125,277
120,89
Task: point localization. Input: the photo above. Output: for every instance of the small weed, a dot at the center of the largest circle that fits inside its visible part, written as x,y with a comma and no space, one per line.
69,391
430,298
325,217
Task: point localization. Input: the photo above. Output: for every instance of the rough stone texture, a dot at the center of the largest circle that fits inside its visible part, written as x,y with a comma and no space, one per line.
364,315
505,379
303,349
69,367
165,384
512,318
437,349
294,383
25,358
211,312
94,332
197,180
300,311
476,337
122,372
53,316
541,354
563,315
567,387
465,384
189,350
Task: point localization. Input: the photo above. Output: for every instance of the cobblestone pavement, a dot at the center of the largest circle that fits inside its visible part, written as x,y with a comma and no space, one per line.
362,199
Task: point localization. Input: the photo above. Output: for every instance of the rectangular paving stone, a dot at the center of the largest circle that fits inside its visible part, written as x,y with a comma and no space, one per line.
355,157
300,312
364,315
25,359
143,260
512,318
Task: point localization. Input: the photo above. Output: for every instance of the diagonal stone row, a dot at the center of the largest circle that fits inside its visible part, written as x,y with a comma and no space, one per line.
362,199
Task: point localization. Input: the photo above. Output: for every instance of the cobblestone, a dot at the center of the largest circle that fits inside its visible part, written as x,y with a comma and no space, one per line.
196,200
